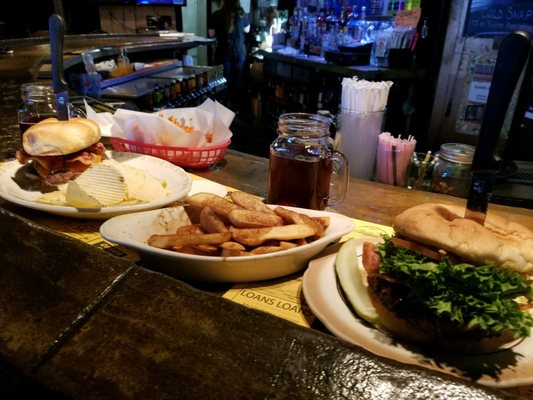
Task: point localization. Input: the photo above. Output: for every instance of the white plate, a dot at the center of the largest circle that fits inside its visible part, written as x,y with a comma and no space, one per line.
506,368
133,230
178,181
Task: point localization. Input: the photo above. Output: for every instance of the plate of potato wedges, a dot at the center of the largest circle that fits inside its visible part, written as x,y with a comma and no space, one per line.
231,238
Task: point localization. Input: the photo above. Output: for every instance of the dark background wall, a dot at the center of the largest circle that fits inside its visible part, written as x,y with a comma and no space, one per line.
29,18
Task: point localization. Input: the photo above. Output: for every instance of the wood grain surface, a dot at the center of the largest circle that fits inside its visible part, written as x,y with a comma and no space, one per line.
365,200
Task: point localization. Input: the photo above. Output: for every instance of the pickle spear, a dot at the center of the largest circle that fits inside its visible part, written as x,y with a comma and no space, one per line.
351,281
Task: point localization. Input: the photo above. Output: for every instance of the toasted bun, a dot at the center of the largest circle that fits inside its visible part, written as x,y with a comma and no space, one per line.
51,137
499,242
428,334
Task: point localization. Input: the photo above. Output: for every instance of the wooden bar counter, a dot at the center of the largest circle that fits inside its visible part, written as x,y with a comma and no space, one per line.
80,323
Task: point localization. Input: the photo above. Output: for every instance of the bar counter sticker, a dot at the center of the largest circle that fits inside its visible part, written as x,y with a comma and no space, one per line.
281,297
88,231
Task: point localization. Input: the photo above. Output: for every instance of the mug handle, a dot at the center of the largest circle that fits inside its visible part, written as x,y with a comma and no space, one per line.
339,178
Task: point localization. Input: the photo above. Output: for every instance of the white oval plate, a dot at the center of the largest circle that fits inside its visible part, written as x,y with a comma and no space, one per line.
178,181
512,367
133,230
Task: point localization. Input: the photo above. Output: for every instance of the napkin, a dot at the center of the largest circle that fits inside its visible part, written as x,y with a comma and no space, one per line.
203,126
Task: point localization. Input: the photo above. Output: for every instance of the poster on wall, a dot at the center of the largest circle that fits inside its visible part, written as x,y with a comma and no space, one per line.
479,71
493,16
487,22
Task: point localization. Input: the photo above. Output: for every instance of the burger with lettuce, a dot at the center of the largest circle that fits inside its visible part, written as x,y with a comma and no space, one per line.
448,282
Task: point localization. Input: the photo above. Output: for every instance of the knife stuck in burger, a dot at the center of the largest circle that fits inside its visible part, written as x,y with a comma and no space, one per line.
444,281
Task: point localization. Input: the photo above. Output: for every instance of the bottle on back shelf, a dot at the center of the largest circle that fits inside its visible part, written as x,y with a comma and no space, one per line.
123,63
172,93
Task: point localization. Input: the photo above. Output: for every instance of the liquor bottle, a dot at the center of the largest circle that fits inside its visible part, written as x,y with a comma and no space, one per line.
177,90
149,100
158,98
172,93
123,63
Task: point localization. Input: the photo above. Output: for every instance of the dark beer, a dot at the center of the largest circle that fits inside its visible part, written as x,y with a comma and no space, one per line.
299,183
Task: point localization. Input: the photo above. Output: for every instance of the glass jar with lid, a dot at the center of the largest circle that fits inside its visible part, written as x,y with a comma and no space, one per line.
38,103
452,171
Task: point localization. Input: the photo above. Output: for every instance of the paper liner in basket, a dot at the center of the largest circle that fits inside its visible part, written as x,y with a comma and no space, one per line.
203,126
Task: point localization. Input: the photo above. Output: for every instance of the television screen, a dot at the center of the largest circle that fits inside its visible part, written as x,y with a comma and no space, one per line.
161,2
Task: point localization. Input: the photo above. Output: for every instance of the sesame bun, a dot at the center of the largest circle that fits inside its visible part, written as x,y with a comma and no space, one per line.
52,137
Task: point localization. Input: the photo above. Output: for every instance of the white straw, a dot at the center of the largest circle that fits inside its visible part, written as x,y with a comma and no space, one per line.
361,95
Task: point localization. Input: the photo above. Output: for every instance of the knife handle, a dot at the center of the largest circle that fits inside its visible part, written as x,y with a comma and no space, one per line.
56,25
513,55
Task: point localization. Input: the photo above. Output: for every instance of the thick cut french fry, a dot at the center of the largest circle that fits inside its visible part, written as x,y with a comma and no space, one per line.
208,249
232,246
218,204
234,253
289,216
173,240
193,229
255,237
324,221
287,245
199,250
211,222
266,249
253,219
319,229
297,218
249,202
240,227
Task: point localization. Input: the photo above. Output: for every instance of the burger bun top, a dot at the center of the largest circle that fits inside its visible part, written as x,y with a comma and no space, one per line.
499,242
52,137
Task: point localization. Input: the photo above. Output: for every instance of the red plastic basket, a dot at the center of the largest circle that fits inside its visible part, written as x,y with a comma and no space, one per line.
191,157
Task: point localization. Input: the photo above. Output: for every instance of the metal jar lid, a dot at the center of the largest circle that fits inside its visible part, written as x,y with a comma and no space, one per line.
457,152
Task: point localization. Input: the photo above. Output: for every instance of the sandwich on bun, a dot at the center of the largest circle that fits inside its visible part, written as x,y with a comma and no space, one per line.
59,151
443,281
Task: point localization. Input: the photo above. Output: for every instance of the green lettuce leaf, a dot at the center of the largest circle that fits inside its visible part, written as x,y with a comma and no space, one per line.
479,297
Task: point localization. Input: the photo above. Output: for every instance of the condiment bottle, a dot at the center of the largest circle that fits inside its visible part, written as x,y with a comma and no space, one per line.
452,170
303,164
123,63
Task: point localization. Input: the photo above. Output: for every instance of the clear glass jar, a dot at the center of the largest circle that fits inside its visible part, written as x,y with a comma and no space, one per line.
452,171
38,103
303,164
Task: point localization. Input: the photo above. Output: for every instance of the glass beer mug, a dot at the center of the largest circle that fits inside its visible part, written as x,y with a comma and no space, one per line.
303,166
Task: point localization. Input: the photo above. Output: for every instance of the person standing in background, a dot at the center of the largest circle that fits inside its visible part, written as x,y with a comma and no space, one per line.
229,25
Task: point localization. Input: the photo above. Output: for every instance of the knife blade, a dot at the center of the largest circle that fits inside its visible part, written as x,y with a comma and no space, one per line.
513,55
56,26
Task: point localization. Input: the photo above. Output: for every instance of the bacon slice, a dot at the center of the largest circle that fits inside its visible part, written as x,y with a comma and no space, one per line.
66,167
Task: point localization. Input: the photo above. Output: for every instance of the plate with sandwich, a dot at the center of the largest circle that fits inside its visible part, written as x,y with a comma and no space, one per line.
64,169
443,292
